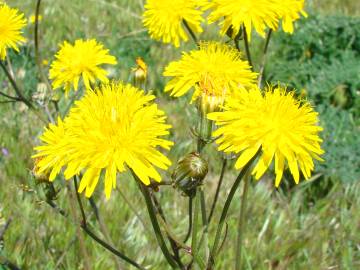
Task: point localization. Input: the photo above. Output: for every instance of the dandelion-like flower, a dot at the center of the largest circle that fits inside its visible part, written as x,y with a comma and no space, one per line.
286,130
164,19
260,14
215,70
11,24
292,9
110,129
81,60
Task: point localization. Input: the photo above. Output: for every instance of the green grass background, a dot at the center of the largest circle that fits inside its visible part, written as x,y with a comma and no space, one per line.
314,225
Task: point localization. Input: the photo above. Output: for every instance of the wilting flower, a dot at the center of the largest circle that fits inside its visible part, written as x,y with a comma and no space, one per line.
83,59
214,70
11,23
110,129
285,129
260,14
165,19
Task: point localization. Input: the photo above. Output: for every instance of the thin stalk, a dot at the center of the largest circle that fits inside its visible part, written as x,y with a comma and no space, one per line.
9,97
155,224
103,228
172,234
194,248
204,222
218,189
226,207
174,246
133,208
192,34
89,232
37,50
242,222
190,207
247,48
263,61
81,237
16,88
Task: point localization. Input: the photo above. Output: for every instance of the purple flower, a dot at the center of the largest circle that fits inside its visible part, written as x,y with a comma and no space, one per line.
4,151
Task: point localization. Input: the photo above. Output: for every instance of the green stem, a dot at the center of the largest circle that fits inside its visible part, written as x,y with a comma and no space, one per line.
194,248
247,48
16,88
190,207
218,189
226,207
37,50
155,223
204,221
192,34
242,223
89,232
263,62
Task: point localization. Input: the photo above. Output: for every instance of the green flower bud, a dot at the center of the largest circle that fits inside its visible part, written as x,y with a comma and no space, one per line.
189,173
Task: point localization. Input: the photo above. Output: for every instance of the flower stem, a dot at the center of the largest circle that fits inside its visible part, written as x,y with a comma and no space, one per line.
16,88
227,204
194,248
218,189
192,34
89,232
204,222
263,62
242,223
155,223
247,48
36,42
190,207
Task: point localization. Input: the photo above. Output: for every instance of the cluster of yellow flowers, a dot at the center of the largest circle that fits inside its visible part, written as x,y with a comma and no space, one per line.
116,126
167,19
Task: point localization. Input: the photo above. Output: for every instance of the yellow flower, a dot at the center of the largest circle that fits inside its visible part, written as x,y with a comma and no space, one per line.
260,14
291,12
11,23
215,70
164,19
32,19
284,128
80,60
110,129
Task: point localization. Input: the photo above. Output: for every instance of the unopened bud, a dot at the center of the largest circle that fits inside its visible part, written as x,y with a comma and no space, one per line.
189,173
140,72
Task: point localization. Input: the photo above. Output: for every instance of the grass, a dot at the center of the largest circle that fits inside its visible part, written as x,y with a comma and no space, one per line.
290,228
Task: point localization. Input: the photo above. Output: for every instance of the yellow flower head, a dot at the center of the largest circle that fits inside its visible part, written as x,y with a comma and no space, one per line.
291,12
110,129
284,128
215,70
260,14
11,23
83,59
164,19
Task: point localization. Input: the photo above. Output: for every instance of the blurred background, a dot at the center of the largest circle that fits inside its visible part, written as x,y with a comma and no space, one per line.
314,225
